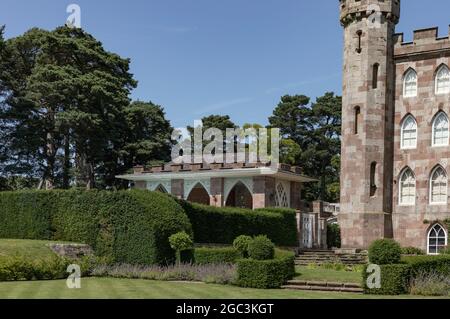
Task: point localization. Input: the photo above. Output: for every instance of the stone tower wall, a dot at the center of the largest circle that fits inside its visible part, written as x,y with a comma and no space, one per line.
367,144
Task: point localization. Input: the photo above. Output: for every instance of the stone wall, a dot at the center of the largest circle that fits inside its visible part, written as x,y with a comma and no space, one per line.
425,54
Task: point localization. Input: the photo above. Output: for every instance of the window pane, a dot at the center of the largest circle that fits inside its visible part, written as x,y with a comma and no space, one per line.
409,133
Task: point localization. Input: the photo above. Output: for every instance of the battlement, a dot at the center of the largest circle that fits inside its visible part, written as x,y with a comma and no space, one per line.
425,41
353,10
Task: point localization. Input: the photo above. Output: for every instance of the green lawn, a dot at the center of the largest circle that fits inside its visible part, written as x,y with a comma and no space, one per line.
35,249
327,275
108,288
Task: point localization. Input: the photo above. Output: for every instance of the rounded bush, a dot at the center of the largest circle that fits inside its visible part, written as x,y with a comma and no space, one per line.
384,252
241,244
261,248
181,241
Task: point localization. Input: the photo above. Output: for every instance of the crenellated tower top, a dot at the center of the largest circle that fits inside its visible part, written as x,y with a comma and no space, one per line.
355,10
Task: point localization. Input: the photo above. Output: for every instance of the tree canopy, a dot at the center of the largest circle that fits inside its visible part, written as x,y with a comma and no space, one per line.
66,112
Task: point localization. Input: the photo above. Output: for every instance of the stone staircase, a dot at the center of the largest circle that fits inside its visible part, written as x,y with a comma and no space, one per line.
323,286
320,257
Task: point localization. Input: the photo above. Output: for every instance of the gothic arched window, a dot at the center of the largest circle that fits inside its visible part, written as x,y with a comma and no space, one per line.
443,80
409,133
437,239
410,83
407,188
438,186
440,130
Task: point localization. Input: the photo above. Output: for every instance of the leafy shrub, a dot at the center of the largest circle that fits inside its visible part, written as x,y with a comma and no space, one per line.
179,242
261,248
211,273
265,274
412,251
127,226
241,245
395,280
278,224
14,268
223,255
430,284
385,251
333,236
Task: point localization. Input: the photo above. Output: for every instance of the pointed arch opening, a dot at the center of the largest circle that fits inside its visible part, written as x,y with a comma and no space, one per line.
442,80
240,196
437,239
161,189
440,130
438,186
410,83
199,195
409,133
407,187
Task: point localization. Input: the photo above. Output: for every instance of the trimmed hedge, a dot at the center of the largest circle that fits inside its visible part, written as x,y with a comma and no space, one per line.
266,274
225,255
223,225
427,264
396,278
128,226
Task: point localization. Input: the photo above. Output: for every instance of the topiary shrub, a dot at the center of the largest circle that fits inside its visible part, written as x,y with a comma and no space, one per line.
385,251
180,242
241,245
266,274
261,248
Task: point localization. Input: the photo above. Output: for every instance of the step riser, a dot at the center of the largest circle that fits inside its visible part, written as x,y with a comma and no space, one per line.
325,289
328,257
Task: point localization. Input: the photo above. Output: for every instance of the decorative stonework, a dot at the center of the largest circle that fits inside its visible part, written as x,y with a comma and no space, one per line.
231,182
189,184
71,251
166,184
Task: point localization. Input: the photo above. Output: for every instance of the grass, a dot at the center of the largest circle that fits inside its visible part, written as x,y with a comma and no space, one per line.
327,275
108,288
35,249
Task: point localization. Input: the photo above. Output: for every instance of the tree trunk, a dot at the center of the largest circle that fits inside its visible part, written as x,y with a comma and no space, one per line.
66,166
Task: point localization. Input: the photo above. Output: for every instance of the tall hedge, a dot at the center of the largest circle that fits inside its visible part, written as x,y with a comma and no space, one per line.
129,226
223,225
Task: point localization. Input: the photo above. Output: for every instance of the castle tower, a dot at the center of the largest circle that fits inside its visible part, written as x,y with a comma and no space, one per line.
367,120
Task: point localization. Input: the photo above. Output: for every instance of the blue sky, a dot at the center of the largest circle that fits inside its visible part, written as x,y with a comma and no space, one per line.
235,57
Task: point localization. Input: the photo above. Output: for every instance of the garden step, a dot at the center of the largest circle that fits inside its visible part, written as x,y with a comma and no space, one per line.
323,284
323,288
321,257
